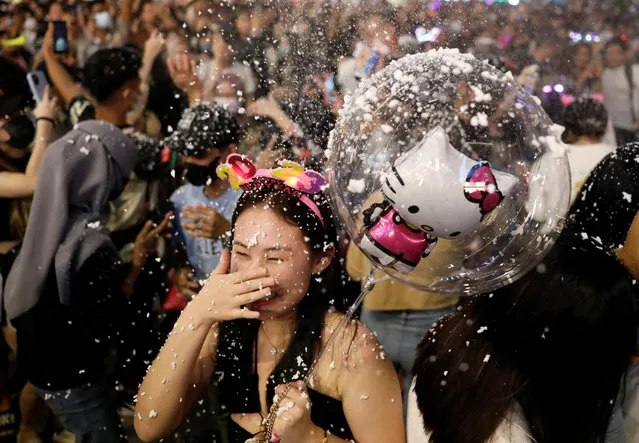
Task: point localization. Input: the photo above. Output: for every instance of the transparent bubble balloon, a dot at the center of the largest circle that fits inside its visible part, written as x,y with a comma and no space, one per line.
447,174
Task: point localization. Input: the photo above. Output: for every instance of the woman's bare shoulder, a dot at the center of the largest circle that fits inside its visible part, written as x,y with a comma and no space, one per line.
353,340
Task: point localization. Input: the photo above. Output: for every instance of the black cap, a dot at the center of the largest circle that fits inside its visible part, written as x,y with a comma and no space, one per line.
108,70
203,127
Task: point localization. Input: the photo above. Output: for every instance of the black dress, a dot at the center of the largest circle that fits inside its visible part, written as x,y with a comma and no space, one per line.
236,379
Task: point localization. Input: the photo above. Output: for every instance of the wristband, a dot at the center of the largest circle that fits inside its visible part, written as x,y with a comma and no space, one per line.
46,119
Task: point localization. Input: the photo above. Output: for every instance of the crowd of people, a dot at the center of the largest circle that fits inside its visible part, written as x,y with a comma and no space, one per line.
146,297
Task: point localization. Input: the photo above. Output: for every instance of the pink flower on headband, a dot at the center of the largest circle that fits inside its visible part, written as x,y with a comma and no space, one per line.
239,170
242,173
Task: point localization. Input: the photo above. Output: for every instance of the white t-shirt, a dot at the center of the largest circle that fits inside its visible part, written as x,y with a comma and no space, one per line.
616,91
513,428
582,160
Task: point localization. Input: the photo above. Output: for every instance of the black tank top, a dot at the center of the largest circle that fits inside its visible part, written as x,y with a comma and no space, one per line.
237,384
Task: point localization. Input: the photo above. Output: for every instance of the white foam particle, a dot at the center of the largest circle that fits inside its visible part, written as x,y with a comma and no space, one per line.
356,186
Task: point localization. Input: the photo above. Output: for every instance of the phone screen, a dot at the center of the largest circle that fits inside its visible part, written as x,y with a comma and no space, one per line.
60,38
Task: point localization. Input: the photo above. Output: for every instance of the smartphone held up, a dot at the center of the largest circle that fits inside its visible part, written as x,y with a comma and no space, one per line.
60,37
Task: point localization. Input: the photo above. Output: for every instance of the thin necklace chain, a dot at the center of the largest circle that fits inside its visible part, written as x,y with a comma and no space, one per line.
274,349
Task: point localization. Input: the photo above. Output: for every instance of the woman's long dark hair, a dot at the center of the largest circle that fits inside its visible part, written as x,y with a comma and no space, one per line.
609,199
236,351
557,343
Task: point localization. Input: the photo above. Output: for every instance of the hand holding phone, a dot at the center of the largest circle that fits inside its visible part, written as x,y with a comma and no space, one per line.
48,108
60,37
37,83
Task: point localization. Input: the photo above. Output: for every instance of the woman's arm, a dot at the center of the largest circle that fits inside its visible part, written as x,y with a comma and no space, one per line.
18,185
176,378
152,48
371,393
60,78
187,360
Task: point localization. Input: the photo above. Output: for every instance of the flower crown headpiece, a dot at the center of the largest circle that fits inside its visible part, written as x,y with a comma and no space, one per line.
290,177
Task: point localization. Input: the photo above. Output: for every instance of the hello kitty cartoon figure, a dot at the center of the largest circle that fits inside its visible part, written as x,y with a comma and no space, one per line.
431,191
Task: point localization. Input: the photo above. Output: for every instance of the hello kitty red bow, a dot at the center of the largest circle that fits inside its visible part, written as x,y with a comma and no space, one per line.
481,187
290,177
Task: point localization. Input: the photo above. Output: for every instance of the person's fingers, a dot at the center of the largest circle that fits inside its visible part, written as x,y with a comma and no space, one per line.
295,395
255,284
53,102
170,64
189,215
203,233
47,94
251,274
297,391
197,226
250,297
162,226
179,63
198,219
246,313
224,263
202,226
185,64
280,390
208,234
200,209
48,36
145,230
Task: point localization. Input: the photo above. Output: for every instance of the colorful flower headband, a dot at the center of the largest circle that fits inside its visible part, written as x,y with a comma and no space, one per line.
290,177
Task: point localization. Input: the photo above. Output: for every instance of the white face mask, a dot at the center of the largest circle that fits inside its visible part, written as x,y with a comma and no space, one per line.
30,24
103,21
230,104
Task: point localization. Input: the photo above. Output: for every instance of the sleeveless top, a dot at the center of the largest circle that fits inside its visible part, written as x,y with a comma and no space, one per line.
237,383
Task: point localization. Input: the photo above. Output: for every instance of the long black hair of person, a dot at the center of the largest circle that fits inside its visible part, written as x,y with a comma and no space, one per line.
235,375
557,343
608,201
